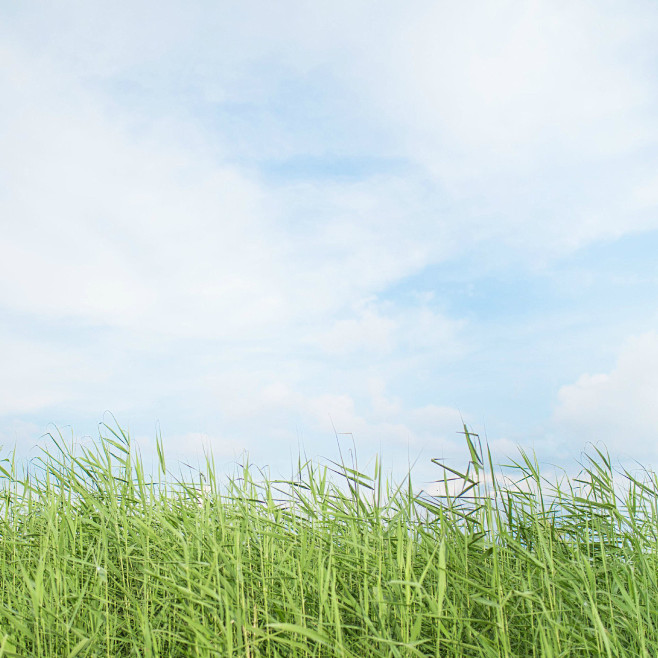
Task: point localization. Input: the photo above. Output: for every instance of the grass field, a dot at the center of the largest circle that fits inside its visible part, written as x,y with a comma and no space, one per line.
99,559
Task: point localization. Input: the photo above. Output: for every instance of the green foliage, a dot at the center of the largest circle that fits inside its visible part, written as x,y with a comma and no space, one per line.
97,559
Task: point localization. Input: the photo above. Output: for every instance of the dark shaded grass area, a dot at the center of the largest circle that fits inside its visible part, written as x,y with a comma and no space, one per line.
99,559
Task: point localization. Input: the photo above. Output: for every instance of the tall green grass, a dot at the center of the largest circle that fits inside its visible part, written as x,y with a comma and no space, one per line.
97,558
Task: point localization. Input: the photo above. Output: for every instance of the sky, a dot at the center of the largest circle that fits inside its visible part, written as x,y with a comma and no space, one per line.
270,227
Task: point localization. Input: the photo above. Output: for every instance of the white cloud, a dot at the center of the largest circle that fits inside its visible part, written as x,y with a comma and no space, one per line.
383,405
527,115
367,412
384,328
368,332
618,408
199,444
495,103
124,233
394,426
37,375
134,231
509,78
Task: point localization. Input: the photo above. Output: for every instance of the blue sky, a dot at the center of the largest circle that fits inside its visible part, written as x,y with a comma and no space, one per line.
249,224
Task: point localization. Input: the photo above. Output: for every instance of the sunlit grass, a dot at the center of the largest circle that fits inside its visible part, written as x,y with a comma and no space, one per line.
99,559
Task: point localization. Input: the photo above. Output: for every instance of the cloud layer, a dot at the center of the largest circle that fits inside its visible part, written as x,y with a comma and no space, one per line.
360,213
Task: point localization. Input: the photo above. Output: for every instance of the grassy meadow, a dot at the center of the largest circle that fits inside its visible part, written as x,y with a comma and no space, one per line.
97,558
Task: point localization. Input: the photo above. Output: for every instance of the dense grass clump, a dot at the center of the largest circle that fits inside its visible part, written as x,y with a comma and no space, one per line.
97,559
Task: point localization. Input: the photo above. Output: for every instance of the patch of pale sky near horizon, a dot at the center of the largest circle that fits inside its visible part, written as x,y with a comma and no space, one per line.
139,276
